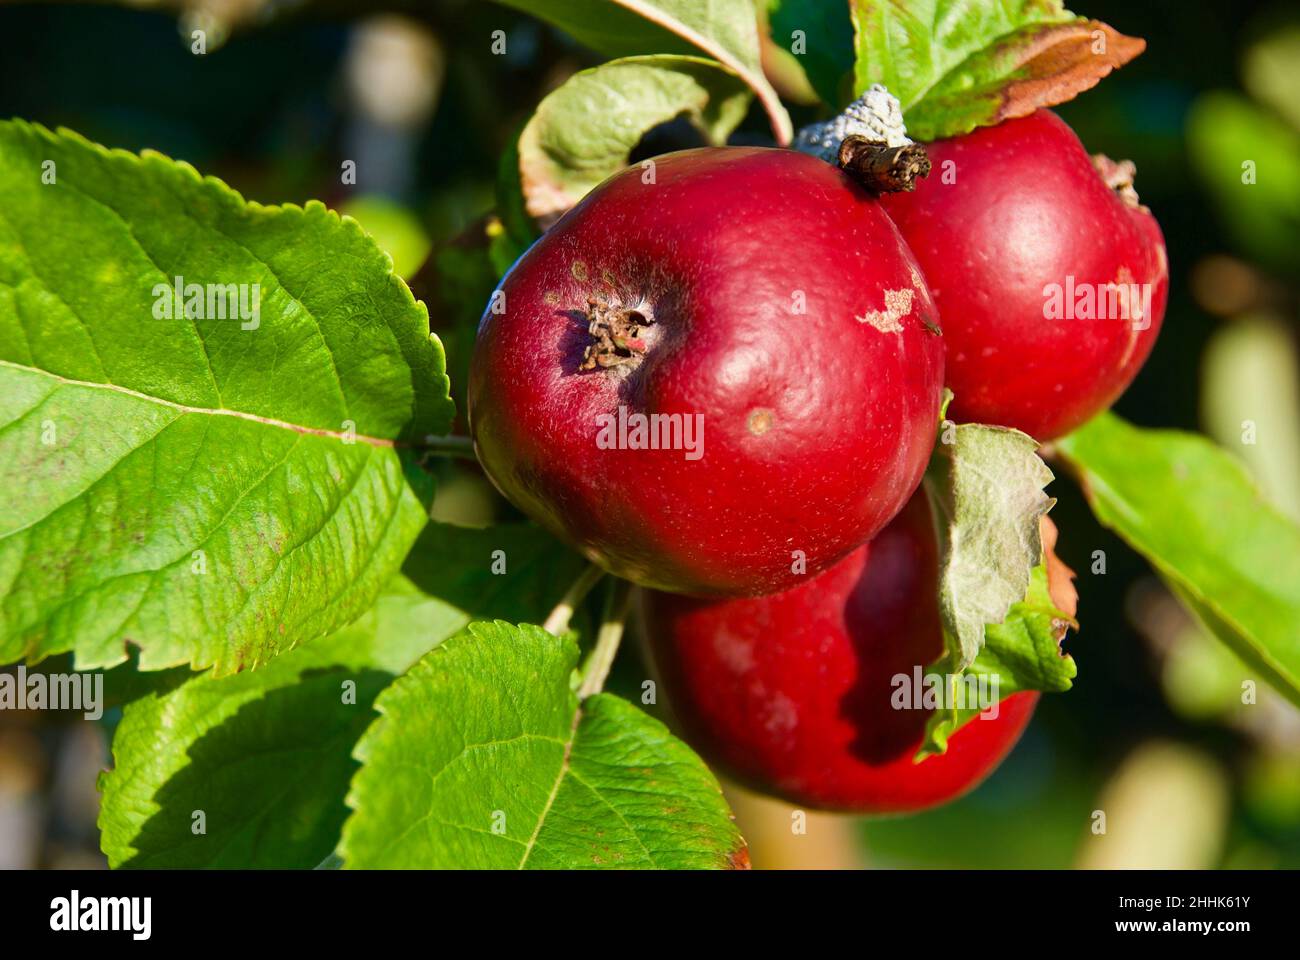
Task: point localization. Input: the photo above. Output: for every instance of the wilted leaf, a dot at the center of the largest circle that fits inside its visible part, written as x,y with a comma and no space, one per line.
986,484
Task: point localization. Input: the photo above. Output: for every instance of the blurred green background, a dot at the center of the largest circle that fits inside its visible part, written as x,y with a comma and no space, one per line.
1154,733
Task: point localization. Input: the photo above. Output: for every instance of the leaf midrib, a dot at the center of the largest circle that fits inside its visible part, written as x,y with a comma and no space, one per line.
566,770
555,787
205,411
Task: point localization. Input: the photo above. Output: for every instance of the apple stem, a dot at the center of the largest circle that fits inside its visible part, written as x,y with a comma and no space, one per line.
882,168
558,620
597,665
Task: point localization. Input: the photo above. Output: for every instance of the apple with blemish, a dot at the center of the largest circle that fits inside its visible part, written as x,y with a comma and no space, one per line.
714,375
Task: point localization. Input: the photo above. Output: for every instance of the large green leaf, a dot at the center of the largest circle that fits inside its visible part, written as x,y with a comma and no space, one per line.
726,30
212,491
267,754
584,131
264,755
958,64
1194,513
483,758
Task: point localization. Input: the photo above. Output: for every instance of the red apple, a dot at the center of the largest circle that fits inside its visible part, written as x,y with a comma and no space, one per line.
793,694
755,311
1051,282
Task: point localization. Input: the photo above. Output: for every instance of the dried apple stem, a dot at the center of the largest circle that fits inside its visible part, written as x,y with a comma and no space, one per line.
882,168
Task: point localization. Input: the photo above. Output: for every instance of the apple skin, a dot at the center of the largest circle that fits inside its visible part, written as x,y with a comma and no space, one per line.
817,425
1027,208
791,694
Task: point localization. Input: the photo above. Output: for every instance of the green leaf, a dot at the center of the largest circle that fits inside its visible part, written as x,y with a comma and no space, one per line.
828,37
1024,651
191,486
483,758
986,485
267,754
911,46
1194,513
958,64
726,30
584,131
1021,653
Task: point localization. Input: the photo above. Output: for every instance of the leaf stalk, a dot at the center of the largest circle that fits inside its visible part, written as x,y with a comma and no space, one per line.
558,620
596,668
